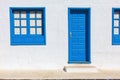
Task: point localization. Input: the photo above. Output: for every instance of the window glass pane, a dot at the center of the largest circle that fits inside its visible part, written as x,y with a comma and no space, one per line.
23,14
116,15
16,30
16,14
39,22
32,30
116,30
39,14
32,14
32,22
23,22
16,22
23,31
116,23
39,31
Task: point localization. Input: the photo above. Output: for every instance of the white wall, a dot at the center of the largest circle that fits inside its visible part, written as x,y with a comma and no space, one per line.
55,54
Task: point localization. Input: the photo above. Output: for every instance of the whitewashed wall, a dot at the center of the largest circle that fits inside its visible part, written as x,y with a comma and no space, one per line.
55,54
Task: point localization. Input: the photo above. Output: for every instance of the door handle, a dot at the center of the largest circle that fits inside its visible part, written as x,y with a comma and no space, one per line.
70,34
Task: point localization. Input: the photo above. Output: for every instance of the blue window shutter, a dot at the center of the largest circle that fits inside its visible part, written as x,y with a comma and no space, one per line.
27,26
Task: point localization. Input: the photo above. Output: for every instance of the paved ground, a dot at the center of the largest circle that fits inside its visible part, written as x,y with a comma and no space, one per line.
57,74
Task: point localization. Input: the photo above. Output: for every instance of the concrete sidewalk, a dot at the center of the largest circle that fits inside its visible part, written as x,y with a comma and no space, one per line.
57,74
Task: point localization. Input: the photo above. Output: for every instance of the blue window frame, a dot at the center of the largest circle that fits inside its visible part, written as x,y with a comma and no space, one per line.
116,26
27,26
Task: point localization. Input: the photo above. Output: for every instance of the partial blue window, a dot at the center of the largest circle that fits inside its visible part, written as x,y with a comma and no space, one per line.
27,26
116,26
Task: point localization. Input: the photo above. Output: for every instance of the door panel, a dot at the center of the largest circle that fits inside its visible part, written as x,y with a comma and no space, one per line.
78,35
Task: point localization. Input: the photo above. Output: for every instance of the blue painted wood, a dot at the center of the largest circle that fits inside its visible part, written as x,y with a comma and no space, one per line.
115,38
78,38
27,39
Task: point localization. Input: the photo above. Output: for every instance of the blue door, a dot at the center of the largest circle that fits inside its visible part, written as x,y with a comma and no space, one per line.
79,35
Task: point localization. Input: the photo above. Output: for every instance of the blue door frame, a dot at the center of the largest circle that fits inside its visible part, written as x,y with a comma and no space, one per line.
79,35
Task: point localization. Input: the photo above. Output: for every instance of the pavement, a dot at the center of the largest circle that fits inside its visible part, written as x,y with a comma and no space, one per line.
58,74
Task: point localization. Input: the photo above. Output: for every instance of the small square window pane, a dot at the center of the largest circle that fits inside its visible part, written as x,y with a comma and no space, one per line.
116,23
39,22
39,31
116,31
116,15
23,14
23,22
23,31
16,14
16,22
17,31
32,22
32,14
39,14
32,30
